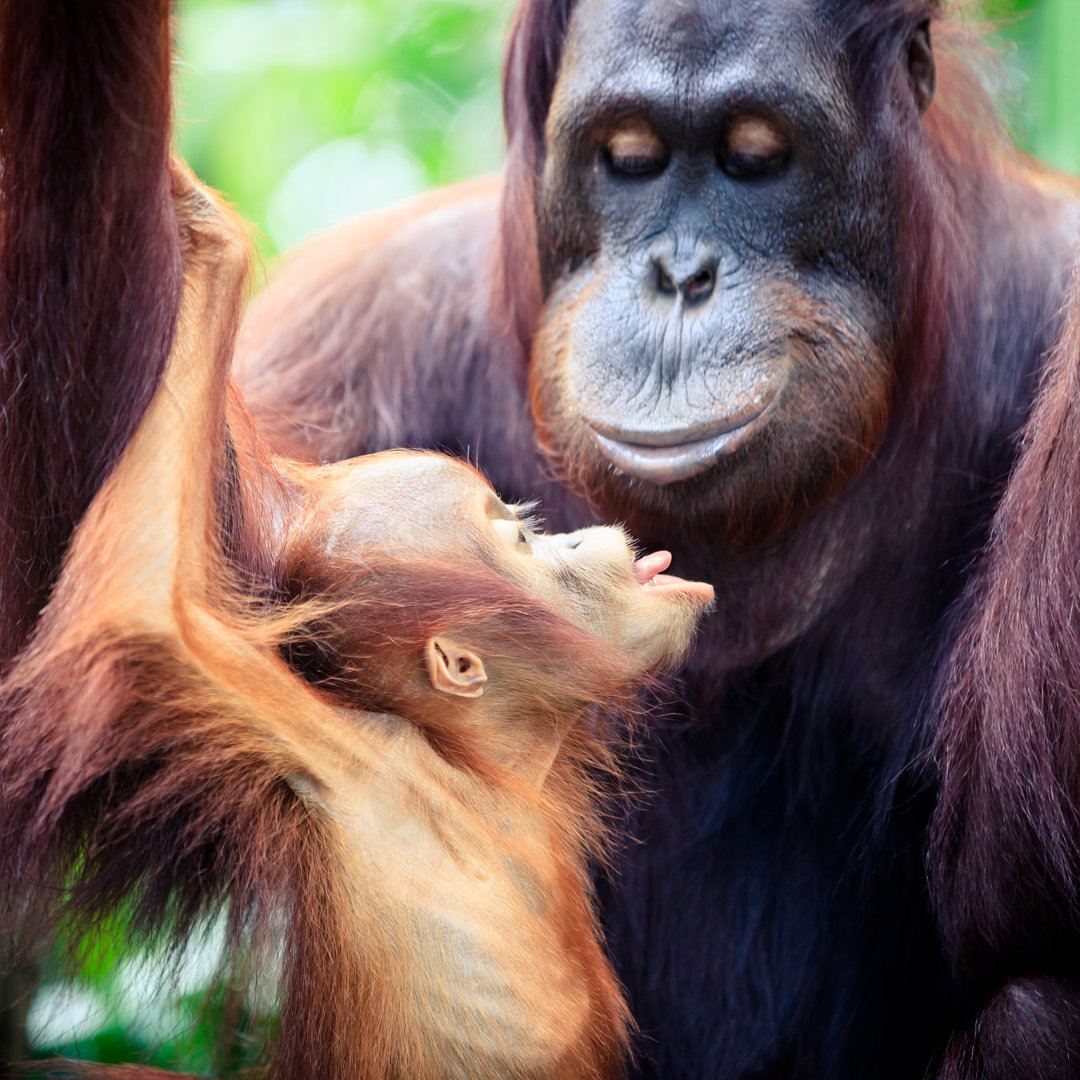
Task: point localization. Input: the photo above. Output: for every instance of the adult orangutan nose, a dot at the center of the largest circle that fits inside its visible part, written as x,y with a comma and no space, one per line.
694,278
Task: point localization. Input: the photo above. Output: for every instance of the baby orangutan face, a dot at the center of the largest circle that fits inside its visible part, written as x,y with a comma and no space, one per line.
439,509
463,618
592,577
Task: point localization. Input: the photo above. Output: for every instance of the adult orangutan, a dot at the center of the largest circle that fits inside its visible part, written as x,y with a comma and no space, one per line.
768,277
362,706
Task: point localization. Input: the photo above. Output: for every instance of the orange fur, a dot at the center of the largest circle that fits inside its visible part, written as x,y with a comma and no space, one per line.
159,743
452,897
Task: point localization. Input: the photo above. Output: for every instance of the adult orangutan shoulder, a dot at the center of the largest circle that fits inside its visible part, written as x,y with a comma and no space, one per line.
348,352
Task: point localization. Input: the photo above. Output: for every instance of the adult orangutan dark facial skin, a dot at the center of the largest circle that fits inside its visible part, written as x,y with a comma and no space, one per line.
765,281
723,196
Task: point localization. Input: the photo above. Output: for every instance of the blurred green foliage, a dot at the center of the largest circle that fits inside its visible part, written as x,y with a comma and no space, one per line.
1042,45
306,112
309,111
146,1002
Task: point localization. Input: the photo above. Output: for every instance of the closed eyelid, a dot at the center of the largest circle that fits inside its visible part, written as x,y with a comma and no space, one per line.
498,510
525,514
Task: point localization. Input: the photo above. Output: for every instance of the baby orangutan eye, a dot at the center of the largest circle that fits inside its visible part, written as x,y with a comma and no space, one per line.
636,150
513,532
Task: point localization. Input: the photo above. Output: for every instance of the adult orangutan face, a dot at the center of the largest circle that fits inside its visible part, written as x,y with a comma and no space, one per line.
716,237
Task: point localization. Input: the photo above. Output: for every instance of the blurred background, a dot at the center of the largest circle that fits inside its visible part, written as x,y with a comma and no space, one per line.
306,112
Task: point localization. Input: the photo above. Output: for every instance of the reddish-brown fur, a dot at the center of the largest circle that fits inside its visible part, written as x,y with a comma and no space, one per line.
1005,843
56,442
155,746
89,143
841,690
865,664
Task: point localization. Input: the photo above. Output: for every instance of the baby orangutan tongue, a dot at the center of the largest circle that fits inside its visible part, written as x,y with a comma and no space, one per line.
649,572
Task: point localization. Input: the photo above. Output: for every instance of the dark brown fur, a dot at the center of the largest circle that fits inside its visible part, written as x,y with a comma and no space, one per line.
1005,841
91,143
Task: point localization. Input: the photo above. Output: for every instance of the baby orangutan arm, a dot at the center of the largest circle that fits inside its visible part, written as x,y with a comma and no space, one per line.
155,747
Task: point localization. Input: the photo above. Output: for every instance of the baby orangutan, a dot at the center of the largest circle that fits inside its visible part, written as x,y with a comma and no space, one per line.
500,682
483,645
361,704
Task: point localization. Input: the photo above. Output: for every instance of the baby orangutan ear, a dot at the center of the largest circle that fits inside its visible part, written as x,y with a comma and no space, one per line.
454,670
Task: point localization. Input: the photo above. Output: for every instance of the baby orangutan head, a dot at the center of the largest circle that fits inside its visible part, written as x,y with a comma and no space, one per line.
456,613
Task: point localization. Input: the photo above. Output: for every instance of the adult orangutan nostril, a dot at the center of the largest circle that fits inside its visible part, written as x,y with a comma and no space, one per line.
694,283
699,287
665,283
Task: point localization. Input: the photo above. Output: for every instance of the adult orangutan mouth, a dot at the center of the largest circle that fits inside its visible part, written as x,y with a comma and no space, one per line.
665,457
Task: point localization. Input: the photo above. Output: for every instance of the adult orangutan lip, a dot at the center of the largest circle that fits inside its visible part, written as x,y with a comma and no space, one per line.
669,456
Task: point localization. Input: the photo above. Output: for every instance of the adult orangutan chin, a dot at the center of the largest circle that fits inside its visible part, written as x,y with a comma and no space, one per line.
747,281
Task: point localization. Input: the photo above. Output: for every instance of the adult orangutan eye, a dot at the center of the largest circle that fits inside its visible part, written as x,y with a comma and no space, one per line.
636,150
753,147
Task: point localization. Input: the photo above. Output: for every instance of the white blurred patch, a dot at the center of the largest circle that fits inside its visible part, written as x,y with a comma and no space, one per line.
141,994
243,37
62,1013
472,136
336,181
